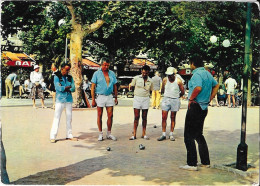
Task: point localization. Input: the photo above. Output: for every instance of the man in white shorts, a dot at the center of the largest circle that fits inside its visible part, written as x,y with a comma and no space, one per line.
143,86
173,89
230,85
103,85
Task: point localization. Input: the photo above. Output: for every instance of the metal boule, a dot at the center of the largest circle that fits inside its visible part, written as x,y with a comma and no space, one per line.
141,147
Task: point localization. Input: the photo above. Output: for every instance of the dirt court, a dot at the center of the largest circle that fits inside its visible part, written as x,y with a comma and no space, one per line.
32,159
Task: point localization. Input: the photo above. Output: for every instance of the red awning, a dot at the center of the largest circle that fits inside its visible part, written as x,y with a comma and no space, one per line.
139,63
88,64
18,59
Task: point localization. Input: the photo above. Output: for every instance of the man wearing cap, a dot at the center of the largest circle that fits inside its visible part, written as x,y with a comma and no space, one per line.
36,79
173,89
143,86
202,89
156,94
9,83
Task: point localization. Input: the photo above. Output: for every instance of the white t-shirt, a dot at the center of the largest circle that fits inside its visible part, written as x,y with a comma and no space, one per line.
36,77
231,83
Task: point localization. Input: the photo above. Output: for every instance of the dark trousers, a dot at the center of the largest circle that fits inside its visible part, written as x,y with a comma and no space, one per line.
194,131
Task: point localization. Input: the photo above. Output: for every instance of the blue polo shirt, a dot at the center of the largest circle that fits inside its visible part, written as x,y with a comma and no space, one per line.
202,78
101,84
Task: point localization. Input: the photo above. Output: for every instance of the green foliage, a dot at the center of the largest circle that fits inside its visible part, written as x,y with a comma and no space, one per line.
168,32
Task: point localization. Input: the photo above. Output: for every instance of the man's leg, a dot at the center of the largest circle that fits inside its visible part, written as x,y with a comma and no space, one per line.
136,120
202,144
34,106
233,99
6,89
42,102
158,99
144,121
173,116
153,98
164,123
189,137
164,120
56,121
109,118
99,118
69,120
229,105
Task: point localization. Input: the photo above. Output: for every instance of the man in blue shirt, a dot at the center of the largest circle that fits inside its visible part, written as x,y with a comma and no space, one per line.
64,85
103,85
202,89
9,83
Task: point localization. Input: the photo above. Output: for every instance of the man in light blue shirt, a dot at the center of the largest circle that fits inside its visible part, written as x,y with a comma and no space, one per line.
103,85
64,85
202,89
9,83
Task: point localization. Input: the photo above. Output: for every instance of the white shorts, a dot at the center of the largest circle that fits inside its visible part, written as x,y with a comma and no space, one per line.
172,104
105,101
141,102
231,91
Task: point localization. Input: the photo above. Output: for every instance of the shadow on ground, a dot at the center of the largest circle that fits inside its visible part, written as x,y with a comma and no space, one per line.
158,163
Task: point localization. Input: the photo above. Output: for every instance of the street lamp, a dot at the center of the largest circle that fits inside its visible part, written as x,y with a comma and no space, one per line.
225,43
60,23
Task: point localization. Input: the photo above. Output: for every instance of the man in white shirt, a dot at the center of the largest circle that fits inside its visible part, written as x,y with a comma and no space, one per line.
36,79
230,85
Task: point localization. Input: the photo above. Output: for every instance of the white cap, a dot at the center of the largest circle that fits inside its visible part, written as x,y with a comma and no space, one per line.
170,71
36,66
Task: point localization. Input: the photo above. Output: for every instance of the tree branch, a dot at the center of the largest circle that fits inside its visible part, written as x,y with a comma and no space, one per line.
93,27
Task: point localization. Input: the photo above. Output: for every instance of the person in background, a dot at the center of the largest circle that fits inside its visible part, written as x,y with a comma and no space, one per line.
52,86
156,93
36,78
143,85
173,89
104,85
230,85
64,86
9,84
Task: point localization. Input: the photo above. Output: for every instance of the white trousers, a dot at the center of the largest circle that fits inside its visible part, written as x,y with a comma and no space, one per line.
59,107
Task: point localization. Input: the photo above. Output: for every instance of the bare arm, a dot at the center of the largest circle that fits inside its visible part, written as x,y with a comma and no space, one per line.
93,87
194,94
115,92
214,92
181,87
163,85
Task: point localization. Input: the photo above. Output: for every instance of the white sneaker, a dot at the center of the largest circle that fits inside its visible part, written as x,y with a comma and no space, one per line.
172,138
110,136
202,165
100,137
189,168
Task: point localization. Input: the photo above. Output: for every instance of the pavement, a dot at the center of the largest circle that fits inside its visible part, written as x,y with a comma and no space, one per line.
33,160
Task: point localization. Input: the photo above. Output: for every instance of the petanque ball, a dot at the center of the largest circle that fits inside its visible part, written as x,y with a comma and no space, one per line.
141,147
108,148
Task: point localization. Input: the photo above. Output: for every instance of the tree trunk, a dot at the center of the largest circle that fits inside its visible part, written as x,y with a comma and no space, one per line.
79,31
76,59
